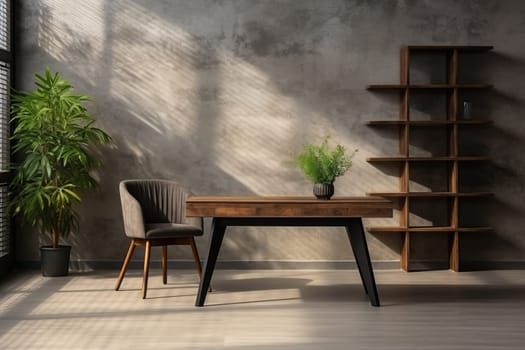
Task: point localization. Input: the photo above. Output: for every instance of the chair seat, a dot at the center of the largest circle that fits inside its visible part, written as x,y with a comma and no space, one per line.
169,230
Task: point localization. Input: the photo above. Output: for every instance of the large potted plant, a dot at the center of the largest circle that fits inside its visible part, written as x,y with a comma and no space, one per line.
321,164
52,138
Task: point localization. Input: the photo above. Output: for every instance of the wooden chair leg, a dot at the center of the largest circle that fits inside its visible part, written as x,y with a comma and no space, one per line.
164,264
146,269
131,249
197,259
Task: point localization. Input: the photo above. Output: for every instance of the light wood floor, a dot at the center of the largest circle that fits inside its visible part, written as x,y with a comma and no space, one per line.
270,309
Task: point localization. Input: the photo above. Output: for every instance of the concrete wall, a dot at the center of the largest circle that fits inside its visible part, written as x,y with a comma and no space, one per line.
218,95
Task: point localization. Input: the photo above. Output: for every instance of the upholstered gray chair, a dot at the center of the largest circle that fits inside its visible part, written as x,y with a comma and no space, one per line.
154,215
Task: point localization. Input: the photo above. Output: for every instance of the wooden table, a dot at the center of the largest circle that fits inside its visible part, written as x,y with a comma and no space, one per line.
290,211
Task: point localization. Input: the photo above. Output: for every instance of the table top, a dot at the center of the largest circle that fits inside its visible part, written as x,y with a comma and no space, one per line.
285,206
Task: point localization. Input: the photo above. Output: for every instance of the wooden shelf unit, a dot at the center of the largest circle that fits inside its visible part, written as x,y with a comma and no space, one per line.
451,123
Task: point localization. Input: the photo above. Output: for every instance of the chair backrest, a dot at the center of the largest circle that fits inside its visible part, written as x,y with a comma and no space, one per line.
160,201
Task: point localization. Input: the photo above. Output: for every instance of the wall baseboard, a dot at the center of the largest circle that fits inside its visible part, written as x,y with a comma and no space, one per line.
91,265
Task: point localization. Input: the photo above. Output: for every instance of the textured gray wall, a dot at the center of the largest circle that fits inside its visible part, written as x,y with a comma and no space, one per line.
218,94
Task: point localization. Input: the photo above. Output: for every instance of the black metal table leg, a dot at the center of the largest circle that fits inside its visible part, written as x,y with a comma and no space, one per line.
356,260
217,234
356,234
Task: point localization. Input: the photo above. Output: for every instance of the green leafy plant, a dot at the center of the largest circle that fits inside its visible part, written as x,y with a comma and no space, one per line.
321,163
53,133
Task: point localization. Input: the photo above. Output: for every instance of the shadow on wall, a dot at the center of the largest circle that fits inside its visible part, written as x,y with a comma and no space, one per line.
217,98
144,146
179,106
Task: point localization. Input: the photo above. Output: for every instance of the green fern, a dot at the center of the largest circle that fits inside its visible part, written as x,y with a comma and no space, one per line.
322,164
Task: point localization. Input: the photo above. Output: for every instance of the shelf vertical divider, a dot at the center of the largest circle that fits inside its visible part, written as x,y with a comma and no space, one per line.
453,139
404,141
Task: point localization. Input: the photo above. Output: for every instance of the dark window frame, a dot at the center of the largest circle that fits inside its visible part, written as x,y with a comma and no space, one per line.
7,248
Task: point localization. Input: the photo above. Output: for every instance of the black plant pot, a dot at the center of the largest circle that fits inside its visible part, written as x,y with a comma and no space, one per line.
324,191
55,261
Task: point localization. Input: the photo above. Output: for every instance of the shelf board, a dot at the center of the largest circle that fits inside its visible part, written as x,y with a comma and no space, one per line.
386,86
431,194
463,48
427,86
424,159
429,229
439,122
475,194
472,86
473,122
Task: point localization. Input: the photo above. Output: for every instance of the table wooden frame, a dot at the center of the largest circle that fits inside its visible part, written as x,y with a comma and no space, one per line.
290,211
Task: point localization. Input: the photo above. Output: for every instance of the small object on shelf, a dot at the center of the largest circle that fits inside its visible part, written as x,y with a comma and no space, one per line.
467,110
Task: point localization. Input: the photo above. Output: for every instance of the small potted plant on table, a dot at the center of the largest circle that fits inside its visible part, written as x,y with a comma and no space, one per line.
52,134
321,164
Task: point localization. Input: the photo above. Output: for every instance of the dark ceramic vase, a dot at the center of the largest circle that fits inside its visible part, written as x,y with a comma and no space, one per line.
55,261
324,191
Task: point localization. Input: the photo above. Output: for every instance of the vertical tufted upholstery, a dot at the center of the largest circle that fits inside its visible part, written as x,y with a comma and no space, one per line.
146,202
